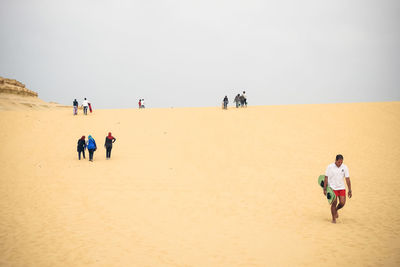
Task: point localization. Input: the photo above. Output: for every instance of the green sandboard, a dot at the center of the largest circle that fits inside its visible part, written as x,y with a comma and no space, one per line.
330,195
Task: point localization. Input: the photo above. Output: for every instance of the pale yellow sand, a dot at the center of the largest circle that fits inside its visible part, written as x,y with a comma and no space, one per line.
200,187
16,102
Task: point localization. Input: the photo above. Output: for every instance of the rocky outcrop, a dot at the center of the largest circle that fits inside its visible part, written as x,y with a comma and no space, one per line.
14,87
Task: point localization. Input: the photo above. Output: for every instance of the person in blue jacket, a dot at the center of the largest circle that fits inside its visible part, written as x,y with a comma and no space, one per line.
91,146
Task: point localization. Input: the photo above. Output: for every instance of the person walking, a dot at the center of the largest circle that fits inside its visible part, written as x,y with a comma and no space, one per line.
334,177
81,147
75,104
110,140
244,98
237,100
241,100
225,102
143,106
140,103
91,146
85,105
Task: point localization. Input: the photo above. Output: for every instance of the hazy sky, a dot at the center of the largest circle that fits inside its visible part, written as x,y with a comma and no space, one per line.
193,52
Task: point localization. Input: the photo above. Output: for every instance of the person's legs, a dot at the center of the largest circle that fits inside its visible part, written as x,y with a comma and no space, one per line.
342,201
91,154
83,153
109,152
79,155
333,210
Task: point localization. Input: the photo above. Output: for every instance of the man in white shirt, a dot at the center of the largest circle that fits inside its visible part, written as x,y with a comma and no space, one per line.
244,99
334,177
85,105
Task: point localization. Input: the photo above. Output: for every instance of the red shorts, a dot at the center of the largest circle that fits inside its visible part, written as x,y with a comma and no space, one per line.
341,193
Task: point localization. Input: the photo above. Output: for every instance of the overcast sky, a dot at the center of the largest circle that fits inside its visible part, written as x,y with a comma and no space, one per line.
193,52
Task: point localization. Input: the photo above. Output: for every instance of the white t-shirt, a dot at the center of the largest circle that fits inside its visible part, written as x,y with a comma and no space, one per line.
336,176
85,103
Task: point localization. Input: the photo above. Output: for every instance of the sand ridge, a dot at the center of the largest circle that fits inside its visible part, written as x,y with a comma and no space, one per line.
199,187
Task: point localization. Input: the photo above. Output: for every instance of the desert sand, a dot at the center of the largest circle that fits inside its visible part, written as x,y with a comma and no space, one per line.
199,187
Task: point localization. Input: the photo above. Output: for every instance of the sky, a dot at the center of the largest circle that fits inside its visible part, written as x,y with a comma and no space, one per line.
180,53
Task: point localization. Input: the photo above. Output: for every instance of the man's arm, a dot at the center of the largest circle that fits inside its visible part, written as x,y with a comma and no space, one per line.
325,184
349,186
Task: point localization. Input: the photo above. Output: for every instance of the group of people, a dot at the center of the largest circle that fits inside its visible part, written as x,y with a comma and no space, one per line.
91,146
334,174
85,104
141,103
240,101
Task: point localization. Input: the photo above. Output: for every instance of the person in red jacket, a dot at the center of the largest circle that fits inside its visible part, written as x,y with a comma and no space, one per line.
108,145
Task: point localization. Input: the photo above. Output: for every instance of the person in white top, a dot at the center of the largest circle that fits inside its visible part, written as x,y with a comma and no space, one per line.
244,98
85,105
334,177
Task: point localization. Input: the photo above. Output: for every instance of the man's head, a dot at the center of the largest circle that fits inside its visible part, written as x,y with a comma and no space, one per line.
85,98
339,160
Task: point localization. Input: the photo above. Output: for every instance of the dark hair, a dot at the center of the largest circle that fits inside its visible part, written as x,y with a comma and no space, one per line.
339,157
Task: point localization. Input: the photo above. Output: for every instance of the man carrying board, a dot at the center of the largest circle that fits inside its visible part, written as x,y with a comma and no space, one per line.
334,177
85,105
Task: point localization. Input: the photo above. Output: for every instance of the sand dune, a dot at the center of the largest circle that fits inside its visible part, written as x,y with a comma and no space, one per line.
15,96
200,187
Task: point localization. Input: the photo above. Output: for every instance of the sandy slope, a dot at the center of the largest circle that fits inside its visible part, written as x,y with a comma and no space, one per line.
200,187
16,102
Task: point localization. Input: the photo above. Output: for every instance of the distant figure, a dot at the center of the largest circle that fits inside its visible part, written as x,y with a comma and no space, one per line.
237,100
225,102
334,177
91,146
241,100
140,103
85,105
143,106
90,107
75,104
108,145
244,98
81,147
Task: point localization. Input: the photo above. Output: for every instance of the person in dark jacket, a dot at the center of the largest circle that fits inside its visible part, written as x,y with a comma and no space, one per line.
91,146
225,102
237,100
108,145
81,147
242,100
75,103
